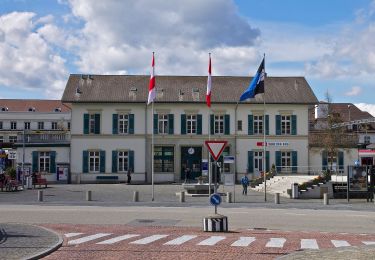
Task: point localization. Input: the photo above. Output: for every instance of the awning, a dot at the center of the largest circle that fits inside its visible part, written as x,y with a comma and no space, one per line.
366,153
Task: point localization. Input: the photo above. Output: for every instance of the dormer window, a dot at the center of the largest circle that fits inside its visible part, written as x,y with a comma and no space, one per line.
31,109
57,109
4,109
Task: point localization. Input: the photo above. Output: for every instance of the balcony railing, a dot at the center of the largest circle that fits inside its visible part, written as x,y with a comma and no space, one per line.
344,140
44,138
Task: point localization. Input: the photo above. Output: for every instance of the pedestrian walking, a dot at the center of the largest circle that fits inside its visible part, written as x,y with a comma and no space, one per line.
129,175
245,183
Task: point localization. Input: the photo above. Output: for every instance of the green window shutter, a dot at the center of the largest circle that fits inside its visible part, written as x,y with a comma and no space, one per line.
212,124
114,161
155,123
171,124
86,124
226,124
324,161
85,161
250,159
341,160
131,160
278,160
199,124
267,124
278,125
115,124
97,123
183,124
102,161
294,161
250,125
294,125
131,124
267,161
52,168
35,166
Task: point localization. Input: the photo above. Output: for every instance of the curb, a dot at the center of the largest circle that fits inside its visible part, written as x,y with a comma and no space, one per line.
49,250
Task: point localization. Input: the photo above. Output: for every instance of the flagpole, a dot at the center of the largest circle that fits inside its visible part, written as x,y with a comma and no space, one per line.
152,154
209,138
264,134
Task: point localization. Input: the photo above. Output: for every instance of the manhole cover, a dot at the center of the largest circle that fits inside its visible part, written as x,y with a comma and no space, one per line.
153,222
145,220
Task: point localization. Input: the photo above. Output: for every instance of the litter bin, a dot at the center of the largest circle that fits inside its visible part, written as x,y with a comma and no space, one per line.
295,191
29,182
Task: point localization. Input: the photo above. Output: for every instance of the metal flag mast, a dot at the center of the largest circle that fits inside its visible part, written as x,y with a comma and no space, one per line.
264,131
209,130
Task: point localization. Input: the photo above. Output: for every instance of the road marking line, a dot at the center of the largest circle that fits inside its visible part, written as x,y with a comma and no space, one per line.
368,242
244,241
72,234
116,239
276,242
211,241
340,243
88,238
180,240
309,244
148,240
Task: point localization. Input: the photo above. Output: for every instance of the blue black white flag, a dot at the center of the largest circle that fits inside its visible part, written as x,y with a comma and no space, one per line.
257,84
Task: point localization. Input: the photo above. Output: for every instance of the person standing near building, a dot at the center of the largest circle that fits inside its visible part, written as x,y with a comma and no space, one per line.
129,175
245,183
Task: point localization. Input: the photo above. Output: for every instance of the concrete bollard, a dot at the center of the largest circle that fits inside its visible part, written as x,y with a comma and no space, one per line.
135,196
40,195
229,197
182,196
277,198
88,195
325,199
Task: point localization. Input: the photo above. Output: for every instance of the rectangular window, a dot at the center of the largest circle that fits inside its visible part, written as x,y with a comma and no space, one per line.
44,161
54,125
68,125
367,139
1,124
239,125
286,125
12,139
94,161
191,124
162,123
286,161
13,125
1,139
92,123
332,160
258,125
258,161
164,159
123,161
40,125
123,123
219,124
27,125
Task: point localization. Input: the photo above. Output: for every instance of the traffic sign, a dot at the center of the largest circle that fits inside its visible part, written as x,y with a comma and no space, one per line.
215,199
216,148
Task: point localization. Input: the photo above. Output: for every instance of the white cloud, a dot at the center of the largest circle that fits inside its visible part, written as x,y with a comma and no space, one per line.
355,91
367,108
26,59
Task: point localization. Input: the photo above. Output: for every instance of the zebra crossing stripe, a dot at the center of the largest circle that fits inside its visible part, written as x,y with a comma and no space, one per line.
368,242
309,244
211,241
340,243
148,240
244,241
180,240
276,242
116,239
72,234
88,238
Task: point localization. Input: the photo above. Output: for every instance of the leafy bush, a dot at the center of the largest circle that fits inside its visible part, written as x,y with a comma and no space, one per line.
11,172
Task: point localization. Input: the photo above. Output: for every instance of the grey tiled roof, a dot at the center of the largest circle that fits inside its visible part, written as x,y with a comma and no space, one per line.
180,89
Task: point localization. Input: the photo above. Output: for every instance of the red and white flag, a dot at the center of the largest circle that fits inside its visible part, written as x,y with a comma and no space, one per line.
151,87
208,94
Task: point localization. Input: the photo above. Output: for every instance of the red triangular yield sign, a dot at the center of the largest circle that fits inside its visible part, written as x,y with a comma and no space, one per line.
216,148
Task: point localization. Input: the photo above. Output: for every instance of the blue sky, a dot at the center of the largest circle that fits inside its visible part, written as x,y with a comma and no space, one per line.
328,42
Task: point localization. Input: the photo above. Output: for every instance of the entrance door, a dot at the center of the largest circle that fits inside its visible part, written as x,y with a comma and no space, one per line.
191,161
258,163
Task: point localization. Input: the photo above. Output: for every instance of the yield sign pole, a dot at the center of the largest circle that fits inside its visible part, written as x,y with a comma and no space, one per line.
215,148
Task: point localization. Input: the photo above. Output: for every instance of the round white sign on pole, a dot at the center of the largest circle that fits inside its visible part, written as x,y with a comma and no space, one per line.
191,150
